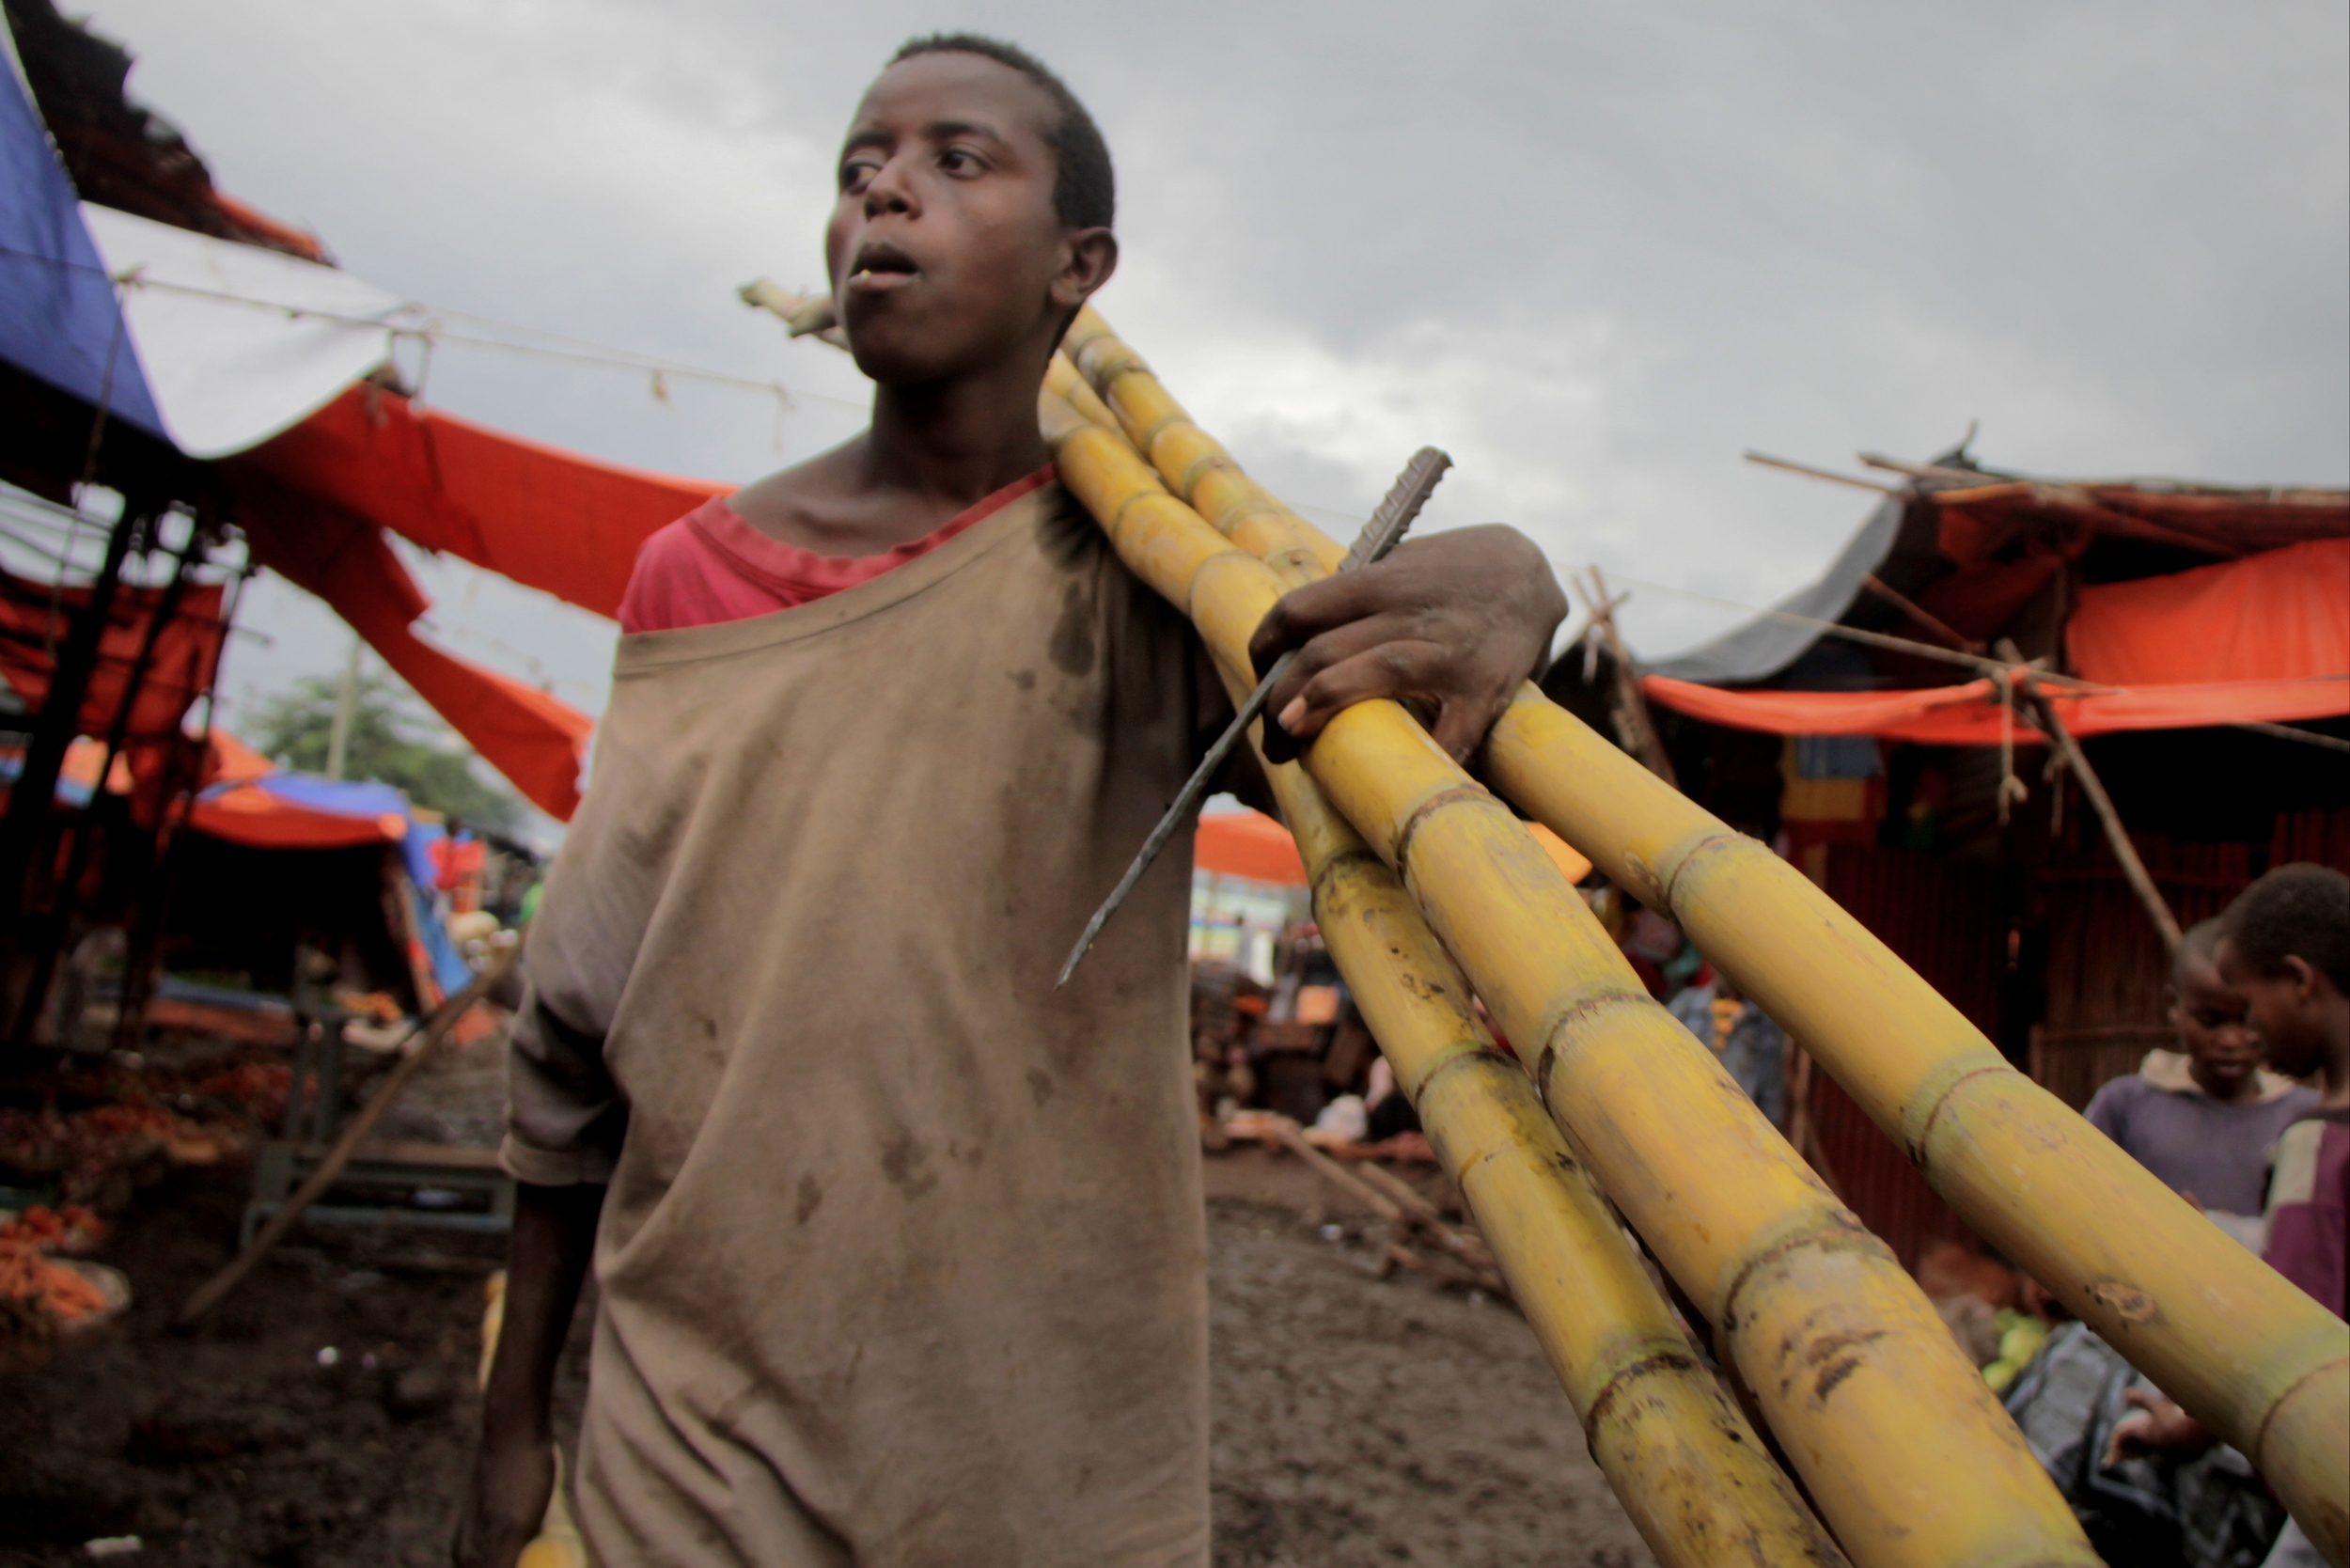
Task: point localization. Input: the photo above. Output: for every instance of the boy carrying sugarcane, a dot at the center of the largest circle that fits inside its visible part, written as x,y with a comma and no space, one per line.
898,1251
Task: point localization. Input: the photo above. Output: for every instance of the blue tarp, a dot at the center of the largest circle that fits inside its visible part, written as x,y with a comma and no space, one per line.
372,803
58,317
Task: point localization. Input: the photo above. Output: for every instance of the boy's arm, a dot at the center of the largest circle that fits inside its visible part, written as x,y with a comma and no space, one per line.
513,1474
1457,619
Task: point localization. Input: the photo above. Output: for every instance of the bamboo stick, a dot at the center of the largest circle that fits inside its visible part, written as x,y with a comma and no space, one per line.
2117,836
1640,736
2239,1346
1909,1457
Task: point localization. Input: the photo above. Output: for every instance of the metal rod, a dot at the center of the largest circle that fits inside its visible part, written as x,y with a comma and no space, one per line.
1386,528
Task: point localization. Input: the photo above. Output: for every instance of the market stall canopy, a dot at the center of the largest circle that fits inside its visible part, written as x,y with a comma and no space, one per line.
1973,549
2266,638
252,802
1970,714
2279,615
549,519
240,343
61,323
178,669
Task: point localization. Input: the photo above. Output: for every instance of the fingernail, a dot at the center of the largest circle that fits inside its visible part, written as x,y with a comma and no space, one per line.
1293,715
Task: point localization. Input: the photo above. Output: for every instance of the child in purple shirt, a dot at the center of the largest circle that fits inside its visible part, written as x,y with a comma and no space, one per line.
2202,1117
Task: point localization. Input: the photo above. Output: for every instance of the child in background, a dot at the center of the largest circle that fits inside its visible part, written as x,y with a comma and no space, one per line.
1753,1048
2286,951
2284,948
2202,1117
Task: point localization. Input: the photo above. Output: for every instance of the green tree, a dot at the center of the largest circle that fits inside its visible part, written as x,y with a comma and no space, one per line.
394,740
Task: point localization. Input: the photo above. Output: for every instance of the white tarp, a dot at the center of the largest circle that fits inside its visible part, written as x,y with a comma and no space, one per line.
238,343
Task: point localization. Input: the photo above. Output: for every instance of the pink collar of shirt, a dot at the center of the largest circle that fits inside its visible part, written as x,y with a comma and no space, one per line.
711,566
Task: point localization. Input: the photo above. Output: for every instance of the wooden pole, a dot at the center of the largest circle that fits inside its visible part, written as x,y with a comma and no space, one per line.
1918,613
84,827
30,802
1632,711
2093,786
434,1030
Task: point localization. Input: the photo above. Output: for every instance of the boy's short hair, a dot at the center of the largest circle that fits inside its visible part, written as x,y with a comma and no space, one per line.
1084,192
2297,911
2199,941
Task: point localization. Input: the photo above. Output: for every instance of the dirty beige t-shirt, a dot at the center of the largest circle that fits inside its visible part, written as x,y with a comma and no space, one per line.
901,1260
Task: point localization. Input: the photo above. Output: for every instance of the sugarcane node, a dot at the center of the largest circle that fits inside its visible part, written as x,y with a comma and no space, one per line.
1624,1377
1459,794
1643,880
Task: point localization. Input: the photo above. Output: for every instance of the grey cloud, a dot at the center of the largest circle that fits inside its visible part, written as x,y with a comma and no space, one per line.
1605,246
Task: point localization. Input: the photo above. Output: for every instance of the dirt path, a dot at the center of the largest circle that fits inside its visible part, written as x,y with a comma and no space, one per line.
1355,1422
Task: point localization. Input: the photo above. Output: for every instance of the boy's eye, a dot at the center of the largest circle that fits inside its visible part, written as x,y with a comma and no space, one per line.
857,174
956,161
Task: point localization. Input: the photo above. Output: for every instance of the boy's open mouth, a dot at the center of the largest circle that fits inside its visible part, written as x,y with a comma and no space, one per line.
879,268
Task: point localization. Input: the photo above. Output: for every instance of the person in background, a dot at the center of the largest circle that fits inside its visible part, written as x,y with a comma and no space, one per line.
1752,1048
2202,1117
2284,948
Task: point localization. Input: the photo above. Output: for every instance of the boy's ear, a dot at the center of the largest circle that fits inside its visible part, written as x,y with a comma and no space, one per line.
1088,256
2302,976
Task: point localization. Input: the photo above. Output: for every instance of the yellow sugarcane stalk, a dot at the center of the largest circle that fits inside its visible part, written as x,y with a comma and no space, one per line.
1690,1472
2241,1348
1907,1454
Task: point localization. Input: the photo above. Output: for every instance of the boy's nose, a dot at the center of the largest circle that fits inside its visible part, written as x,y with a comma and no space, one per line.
888,191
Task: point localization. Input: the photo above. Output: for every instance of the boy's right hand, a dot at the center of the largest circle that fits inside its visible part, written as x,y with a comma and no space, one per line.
506,1501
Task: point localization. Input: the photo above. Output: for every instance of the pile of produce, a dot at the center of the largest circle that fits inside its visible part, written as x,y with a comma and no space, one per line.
44,1296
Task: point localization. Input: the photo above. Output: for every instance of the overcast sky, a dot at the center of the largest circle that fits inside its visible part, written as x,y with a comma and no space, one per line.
1593,250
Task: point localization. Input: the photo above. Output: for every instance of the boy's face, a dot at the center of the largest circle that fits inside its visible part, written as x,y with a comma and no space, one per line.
944,251
2212,1024
2281,1009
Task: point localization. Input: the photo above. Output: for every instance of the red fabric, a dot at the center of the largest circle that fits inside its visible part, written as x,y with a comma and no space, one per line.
1969,715
2276,616
535,740
710,566
1981,602
454,860
549,519
180,669
1977,525
1248,844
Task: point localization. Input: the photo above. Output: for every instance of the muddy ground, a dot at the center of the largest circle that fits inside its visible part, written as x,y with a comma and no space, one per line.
1356,1420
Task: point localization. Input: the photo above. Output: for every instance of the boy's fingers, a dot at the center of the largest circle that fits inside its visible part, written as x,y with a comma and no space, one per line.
1311,610
1386,669
1462,723
1348,641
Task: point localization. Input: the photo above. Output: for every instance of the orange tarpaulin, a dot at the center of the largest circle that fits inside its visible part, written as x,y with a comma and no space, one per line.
549,519
536,740
1248,844
1970,714
2278,615
180,667
316,500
